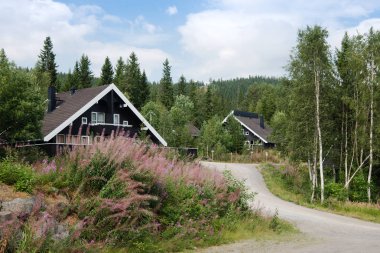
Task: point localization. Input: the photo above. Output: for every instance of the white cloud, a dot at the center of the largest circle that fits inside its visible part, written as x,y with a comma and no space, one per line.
171,10
24,24
243,37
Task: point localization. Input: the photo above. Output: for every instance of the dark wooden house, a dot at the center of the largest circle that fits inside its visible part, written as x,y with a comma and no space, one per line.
77,117
253,128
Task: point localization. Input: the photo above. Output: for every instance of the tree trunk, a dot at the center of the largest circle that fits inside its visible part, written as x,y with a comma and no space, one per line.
346,153
370,133
317,118
314,171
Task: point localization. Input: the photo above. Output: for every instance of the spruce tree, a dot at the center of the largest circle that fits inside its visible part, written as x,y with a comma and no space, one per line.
85,74
106,77
181,86
132,79
46,61
166,86
144,90
120,74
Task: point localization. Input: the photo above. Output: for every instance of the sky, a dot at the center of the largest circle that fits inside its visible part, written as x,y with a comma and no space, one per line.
202,39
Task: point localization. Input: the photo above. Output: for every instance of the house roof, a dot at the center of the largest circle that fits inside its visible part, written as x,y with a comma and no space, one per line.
251,121
193,130
71,106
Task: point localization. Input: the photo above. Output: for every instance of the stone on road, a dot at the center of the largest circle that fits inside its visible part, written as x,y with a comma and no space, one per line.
324,232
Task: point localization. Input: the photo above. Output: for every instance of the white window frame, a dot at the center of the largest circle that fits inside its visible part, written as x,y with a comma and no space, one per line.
94,115
246,133
116,122
64,139
84,120
84,139
125,123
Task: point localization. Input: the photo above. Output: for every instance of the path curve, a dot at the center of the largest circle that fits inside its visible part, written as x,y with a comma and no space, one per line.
326,232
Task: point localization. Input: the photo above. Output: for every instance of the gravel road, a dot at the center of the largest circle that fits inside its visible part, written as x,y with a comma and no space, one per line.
321,231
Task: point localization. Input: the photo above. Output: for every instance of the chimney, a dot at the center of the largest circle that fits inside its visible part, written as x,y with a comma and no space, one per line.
52,100
262,121
72,90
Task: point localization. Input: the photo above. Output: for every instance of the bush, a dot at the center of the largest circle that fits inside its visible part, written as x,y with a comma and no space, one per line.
358,189
20,175
336,190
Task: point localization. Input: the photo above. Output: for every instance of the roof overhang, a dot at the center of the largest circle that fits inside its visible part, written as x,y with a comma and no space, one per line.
93,101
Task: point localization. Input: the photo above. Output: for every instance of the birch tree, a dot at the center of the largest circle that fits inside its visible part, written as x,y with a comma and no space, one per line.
310,70
373,65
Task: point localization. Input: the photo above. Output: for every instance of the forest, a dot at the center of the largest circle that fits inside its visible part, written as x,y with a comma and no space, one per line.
323,112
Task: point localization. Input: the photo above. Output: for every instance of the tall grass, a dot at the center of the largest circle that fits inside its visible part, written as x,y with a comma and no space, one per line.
125,195
290,183
128,194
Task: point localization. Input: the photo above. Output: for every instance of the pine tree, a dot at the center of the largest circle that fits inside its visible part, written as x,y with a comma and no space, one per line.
133,80
181,86
120,74
85,74
46,61
166,86
106,76
144,90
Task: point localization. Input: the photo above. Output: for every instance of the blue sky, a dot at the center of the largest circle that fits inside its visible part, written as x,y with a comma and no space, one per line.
202,39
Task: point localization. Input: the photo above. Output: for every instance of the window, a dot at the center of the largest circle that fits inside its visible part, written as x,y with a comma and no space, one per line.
84,120
247,133
116,119
98,117
125,123
101,117
60,138
94,117
85,139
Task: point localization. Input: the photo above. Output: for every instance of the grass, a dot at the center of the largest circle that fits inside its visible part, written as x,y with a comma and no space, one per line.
284,188
122,195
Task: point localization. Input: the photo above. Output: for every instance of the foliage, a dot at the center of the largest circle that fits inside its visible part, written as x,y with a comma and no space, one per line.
21,104
290,188
106,76
20,175
84,72
166,86
46,61
130,195
119,74
234,130
214,137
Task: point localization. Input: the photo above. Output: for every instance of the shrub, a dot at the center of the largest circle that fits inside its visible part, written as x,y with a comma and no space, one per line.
358,189
336,190
20,175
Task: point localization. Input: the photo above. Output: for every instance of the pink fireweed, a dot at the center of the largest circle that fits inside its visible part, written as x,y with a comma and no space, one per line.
153,159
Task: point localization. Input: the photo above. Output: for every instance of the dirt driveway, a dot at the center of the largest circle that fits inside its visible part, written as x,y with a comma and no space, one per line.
321,231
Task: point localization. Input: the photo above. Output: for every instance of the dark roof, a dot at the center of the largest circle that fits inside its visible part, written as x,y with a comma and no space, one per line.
252,121
67,105
193,130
